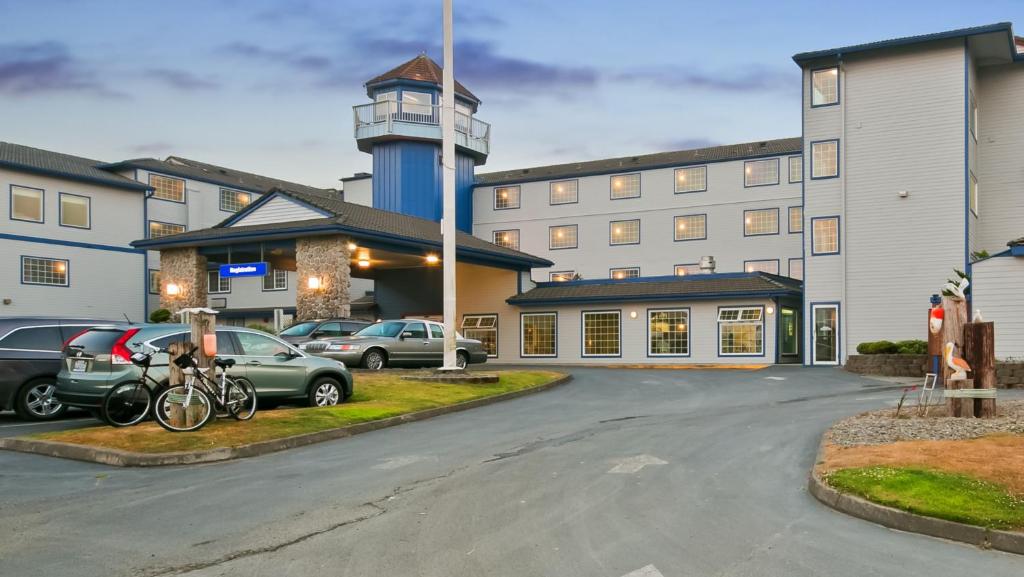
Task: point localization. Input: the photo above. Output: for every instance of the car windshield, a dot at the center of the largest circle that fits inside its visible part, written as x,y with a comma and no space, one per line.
299,330
388,329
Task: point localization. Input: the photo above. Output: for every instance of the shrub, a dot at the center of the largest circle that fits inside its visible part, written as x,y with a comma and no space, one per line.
261,327
914,347
877,348
160,316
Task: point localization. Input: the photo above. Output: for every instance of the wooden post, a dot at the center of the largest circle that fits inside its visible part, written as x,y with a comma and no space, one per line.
979,352
953,331
203,323
176,378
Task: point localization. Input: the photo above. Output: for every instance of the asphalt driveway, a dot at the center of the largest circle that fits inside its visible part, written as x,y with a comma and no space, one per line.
621,472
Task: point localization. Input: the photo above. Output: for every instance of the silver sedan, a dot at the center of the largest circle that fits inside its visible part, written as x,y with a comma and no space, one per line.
407,342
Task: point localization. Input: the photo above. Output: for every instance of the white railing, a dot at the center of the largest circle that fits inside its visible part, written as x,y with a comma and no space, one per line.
383,117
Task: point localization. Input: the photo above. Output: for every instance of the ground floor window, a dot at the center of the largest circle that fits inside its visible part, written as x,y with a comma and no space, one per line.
601,332
44,271
539,334
789,330
216,284
154,281
741,331
668,332
826,334
276,280
483,328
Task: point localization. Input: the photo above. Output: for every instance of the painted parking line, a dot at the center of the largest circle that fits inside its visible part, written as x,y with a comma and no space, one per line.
775,378
645,571
634,464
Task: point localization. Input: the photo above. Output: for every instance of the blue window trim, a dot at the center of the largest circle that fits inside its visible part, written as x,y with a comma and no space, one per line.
611,272
162,222
218,292
71,243
270,273
839,332
519,199
778,264
639,188
551,186
554,272
810,84
778,228
497,331
67,271
789,177
220,202
675,227
789,220
803,202
611,225
838,156
689,333
575,246
676,272
779,353
968,266
789,267
519,238
522,342
675,179
60,210
778,169
42,203
583,344
972,118
184,187
839,234
764,332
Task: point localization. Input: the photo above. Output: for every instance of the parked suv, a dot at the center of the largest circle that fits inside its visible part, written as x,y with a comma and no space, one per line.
306,331
98,359
30,360
400,342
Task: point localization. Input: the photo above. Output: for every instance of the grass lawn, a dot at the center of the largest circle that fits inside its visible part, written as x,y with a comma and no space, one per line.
377,396
943,495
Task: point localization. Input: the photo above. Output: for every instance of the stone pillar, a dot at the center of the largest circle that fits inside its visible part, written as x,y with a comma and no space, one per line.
327,259
185,268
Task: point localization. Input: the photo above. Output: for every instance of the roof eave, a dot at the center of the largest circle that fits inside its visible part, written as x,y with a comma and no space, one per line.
804,57
127,185
516,300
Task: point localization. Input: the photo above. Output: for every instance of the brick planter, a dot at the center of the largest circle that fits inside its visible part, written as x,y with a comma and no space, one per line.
1008,374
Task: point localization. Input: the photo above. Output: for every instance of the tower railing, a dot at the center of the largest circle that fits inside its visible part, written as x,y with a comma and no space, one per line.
390,117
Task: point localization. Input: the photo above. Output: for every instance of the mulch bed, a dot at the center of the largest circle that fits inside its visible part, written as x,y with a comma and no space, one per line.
879,427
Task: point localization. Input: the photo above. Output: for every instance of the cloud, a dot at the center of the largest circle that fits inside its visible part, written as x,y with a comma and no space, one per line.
293,58
46,67
151,148
686,143
181,79
757,78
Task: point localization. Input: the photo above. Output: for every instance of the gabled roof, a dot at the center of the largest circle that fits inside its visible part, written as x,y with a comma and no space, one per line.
355,220
675,288
645,162
45,162
219,175
907,40
421,69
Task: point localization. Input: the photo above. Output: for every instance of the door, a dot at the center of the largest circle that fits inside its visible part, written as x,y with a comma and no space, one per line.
271,365
414,347
435,349
790,327
328,330
826,334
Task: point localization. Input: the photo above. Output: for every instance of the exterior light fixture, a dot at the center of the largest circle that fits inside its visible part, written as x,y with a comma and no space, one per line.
364,263
173,290
313,283
770,310
352,246
632,314
432,259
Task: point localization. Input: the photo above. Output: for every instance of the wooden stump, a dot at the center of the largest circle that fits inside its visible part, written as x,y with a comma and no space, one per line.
202,324
176,415
979,352
953,332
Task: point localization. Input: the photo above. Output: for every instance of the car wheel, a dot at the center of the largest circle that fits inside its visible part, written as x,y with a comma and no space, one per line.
374,359
325,392
36,401
461,359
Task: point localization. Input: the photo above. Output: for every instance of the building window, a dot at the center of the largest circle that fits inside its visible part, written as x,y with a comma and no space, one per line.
625,186
796,219
26,203
75,210
215,284
624,232
687,269
973,118
167,188
275,280
825,235
740,331
158,229
825,86
234,200
483,328
825,159
601,334
44,271
563,192
507,238
506,197
625,272
539,334
796,268
668,332
974,194
561,276
417,103
154,282
796,168
691,227
692,179
761,172
563,236
759,222
769,266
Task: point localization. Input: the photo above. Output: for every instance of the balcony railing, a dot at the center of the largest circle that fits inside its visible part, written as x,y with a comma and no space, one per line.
418,121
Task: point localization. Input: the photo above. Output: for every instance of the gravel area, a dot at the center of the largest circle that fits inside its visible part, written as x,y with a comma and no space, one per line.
879,427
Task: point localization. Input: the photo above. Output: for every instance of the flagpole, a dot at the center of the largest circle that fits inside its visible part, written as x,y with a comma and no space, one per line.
448,168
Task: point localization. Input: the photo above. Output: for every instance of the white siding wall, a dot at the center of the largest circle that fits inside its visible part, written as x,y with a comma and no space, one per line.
997,294
359,191
1000,171
278,209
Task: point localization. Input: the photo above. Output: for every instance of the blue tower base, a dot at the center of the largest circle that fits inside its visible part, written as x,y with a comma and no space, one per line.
407,178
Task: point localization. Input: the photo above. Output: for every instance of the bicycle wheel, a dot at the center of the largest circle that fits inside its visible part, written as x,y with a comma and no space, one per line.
241,399
179,408
126,404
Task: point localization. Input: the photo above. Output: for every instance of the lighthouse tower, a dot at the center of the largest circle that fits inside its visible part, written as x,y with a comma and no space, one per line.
401,128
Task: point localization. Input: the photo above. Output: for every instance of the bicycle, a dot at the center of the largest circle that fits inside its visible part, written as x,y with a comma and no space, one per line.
128,403
192,404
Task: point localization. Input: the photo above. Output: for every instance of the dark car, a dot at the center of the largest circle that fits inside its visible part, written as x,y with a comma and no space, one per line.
305,331
30,358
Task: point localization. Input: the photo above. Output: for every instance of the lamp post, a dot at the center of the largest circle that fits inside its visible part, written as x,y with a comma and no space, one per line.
448,182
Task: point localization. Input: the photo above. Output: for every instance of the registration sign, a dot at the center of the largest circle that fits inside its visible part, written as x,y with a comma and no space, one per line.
243,269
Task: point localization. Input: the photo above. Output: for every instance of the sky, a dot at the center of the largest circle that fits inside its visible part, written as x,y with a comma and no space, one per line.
268,86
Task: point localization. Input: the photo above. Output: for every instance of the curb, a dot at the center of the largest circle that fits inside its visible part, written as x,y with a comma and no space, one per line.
119,458
1007,541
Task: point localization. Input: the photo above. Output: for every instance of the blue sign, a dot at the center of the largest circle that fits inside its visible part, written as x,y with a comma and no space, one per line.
243,269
